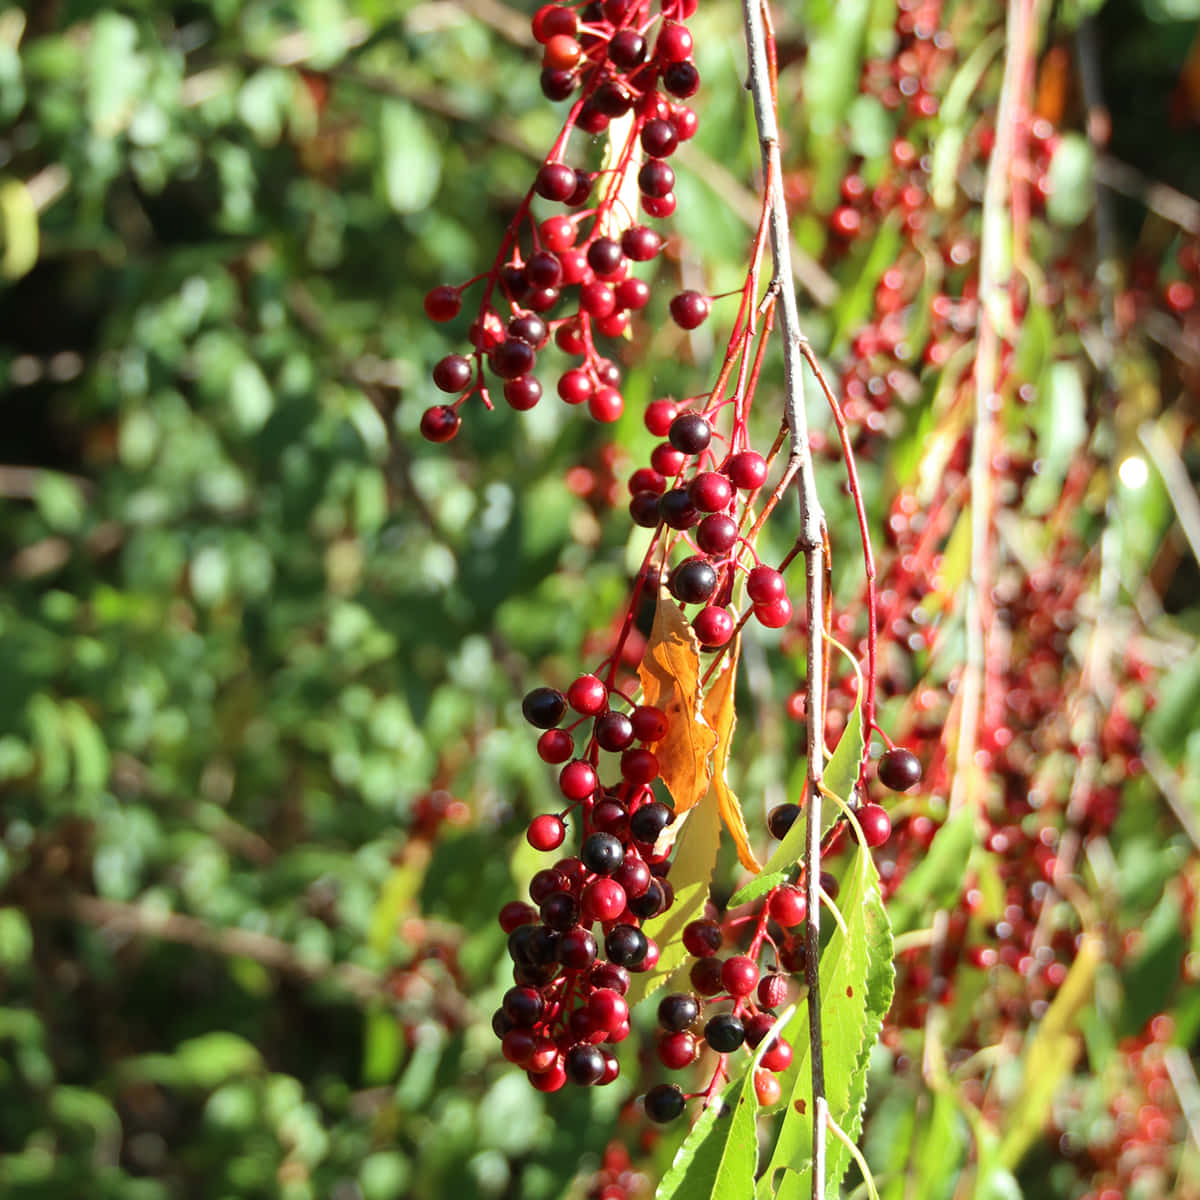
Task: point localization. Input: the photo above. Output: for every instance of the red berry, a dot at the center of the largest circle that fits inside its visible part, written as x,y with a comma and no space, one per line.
553,20
546,832
747,470
713,626
575,386
603,900
772,990
674,43
659,206
765,585
606,404
522,393
710,491
597,299
846,221
439,423
788,906
515,914
702,939
639,766
689,310
876,824
588,696
659,415
739,975
649,723
767,1087
577,781
555,180
676,1050
607,1008
778,1057
550,1080
774,615
717,534
443,303
558,233
555,746
640,243
562,52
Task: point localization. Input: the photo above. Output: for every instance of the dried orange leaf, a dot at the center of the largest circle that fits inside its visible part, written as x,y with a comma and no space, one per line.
719,712
670,674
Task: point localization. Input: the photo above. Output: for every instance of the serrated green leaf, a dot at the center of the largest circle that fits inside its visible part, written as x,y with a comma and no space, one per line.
857,979
937,879
720,1154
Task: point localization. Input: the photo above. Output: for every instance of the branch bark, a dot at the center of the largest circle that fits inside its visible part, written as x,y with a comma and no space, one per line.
811,541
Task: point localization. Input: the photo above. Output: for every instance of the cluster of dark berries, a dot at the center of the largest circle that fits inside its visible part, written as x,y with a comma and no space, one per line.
604,51
706,501
575,945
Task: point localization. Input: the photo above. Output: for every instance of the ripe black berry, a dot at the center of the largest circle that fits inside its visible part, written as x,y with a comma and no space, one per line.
627,49
523,1006
614,731
677,510
544,707
555,181
681,79
625,945
664,1103
702,939
529,329
452,373
656,178
654,900
605,256
693,581
724,1033
659,138
690,433
677,1011
512,358
647,822
602,853
584,1065
577,948
560,910
899,769
781,818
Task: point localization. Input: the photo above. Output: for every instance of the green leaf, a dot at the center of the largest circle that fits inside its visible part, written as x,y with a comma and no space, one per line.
411,158
857,980
720,1154
695,857
18,230
937,878
1070,175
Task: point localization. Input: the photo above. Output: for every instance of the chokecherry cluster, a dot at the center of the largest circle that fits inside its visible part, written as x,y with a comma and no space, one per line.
573,952
569,276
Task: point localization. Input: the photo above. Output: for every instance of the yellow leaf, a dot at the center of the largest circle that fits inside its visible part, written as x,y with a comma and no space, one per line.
719,712
670,675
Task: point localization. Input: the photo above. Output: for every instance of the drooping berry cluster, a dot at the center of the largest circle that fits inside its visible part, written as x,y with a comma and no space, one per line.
573,952
569,276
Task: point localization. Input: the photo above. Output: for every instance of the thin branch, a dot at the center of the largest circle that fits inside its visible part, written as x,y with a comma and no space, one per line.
1176,480
811,541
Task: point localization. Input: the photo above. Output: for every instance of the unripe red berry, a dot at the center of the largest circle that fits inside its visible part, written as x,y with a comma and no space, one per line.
603,900
702,939
606,404
550,1080
577,780
765,584
522,393
674,43
767,1087
575,386
747,470
558,233
774,615
778,1057
640,243
639,766
555,746
553,20
659,415
562,52
607,1008
713,626
649,723
658,206
588,696
676,1050
515,914
788,906
656,178
546,832
876,824
846,221
710,491
739,974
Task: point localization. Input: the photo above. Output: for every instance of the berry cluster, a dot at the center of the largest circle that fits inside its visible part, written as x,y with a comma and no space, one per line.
573,952
569,276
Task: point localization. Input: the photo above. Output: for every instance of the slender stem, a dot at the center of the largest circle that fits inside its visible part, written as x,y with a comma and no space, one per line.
811,541
994,276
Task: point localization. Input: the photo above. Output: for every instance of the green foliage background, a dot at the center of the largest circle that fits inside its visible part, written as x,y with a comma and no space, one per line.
249,620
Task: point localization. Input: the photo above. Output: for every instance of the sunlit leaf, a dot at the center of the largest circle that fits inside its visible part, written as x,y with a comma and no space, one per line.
719,712
670,675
